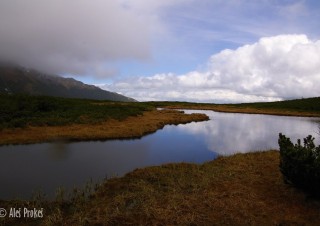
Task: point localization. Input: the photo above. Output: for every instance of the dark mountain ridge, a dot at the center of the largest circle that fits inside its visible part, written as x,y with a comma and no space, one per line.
20,80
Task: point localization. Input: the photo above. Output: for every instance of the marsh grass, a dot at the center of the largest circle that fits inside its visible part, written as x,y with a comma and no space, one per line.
56,211
131,127
31,119
243,189
21,111
69,203
299,107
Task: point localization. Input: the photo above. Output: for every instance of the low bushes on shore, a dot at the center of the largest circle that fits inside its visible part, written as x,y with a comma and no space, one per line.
300,164
19,111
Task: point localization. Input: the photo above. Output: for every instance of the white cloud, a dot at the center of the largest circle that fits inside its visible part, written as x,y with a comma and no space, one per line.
261,136
75,37
284,66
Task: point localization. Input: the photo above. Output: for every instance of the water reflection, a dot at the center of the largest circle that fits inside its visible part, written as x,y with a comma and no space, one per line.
59,150
27,168
230,133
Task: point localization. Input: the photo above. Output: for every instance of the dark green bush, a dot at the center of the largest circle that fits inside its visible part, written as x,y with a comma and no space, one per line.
300,164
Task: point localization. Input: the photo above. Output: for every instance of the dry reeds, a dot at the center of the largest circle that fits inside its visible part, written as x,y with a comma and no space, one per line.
244,189
131,127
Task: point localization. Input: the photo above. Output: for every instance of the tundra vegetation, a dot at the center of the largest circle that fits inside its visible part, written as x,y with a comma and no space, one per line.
299,107
32,119
300,164
243,189
19,111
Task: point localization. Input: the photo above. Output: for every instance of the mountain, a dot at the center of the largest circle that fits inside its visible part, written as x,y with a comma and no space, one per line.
16,79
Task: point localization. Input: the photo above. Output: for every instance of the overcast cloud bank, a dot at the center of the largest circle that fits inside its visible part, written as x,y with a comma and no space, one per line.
105,39
75,37
274,68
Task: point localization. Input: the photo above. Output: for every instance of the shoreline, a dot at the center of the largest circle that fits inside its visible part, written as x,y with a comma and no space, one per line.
133,127
242,189
247,110
129,128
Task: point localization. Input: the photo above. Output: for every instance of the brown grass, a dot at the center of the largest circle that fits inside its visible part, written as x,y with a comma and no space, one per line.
132,127
247,110
244,189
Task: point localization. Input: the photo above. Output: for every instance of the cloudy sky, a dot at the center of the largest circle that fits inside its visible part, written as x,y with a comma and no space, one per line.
192,50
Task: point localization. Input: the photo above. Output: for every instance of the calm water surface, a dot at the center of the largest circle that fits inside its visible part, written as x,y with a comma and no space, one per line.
25,169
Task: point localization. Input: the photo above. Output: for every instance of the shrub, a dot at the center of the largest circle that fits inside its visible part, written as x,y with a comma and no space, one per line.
300,164
18,111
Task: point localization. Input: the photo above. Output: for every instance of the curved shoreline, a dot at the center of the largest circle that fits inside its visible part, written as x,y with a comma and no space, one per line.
247,110
130,128
242,189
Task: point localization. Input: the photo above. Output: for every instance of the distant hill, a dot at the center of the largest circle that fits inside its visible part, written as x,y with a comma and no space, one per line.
16,80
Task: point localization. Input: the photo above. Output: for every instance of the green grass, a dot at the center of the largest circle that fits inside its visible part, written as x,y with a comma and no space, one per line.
299,107
306,104
22,110
18,111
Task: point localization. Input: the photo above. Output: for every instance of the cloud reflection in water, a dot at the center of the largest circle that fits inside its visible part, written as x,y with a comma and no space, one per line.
229,133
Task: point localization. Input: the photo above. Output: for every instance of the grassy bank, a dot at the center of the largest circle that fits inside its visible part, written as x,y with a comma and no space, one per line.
20,111
33,119
244,189
131,127
308,107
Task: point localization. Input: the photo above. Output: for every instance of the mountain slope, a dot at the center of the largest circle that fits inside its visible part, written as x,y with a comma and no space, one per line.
16,79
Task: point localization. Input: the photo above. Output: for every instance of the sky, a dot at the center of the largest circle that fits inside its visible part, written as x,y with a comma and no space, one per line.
214,51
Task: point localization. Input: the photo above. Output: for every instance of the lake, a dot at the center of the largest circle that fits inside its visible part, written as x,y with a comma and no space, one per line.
25,169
